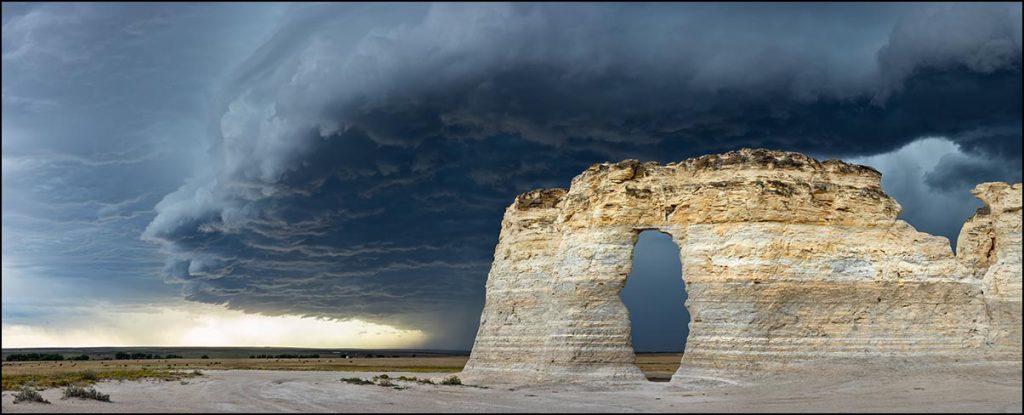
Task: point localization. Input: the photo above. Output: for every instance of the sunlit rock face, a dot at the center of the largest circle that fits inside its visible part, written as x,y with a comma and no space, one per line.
990,247
786,260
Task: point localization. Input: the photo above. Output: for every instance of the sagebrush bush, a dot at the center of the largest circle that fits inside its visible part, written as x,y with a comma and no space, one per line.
27,394
451,380
385,382
73,391
357,381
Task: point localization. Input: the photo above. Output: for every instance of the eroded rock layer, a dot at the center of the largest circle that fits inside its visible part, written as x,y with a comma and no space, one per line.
786,259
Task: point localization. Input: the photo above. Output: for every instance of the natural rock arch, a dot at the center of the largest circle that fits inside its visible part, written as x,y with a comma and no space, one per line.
670,287
787,259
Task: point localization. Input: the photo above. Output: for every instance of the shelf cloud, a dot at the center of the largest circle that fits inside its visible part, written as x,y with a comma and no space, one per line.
353,161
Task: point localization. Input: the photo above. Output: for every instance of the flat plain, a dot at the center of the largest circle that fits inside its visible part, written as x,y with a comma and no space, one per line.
309,385
657,366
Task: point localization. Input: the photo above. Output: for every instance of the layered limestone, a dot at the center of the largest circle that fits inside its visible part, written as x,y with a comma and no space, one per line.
989,246
785,259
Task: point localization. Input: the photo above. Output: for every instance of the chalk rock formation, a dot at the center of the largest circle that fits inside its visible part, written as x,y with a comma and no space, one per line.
785,259
990,247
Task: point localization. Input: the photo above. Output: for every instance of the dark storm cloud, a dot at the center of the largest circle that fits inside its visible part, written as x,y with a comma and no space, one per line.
385,233
365,154
956,173
102,110
358,157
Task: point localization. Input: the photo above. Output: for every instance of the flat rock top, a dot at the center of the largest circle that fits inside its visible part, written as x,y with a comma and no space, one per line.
748,158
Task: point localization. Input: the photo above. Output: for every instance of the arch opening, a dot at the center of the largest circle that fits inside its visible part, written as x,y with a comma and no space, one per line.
655,296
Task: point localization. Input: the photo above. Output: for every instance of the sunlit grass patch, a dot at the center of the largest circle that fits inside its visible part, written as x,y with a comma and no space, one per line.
46,375
88,377
412,369
416,365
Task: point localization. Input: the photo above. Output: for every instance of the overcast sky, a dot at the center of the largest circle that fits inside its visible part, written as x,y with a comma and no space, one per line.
173,170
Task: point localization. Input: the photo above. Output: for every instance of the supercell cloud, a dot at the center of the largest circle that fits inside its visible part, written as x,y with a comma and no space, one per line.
353,160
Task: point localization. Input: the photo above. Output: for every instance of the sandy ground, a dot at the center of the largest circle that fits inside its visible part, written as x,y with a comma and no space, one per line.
967,388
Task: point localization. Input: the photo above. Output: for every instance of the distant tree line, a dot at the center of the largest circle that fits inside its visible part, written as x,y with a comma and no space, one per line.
143,356
37,357
284,356
34,357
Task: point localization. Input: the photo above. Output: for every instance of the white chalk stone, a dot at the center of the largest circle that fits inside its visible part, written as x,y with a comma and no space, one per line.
786,260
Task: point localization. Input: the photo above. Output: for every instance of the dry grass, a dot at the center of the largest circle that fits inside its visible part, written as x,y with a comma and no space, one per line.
658,365
59,374
405,364
55,379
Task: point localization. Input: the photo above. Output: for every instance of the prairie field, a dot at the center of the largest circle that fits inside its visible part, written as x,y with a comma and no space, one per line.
657,366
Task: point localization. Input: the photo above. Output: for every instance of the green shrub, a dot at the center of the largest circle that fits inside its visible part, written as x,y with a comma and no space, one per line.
79,392
357,381
90,376
451,380
407,378
27,394
426,381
